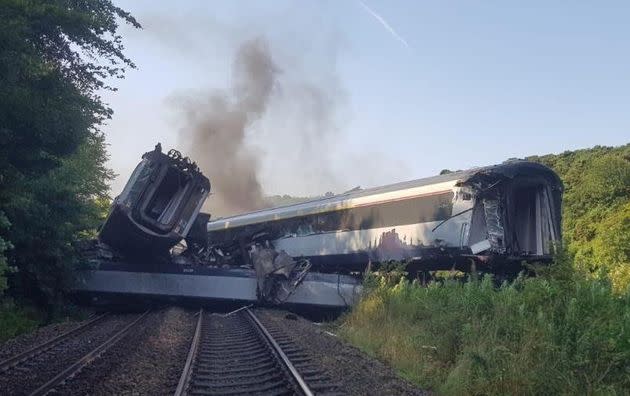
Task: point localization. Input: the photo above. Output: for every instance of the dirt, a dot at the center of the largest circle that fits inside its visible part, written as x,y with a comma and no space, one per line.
356,372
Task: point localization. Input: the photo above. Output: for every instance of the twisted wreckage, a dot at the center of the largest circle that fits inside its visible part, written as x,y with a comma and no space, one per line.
156,242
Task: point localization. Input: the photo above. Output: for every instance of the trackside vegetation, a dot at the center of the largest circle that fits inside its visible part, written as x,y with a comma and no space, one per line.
541,335
56,59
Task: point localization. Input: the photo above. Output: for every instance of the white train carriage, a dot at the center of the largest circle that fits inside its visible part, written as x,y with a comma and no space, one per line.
498,215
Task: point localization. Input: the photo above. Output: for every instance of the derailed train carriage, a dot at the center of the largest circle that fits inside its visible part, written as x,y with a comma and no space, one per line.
489,219
495,216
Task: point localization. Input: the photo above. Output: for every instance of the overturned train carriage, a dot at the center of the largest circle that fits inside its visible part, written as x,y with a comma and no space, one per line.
314,253
492,218
158,205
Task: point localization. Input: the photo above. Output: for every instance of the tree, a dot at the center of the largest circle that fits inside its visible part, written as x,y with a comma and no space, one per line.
596,215
55,56
50,77
611,246
4,246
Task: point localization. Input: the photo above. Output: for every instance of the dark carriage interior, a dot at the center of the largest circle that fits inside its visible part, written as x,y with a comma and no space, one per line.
519,216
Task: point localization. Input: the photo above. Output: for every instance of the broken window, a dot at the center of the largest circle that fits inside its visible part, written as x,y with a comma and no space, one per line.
167,197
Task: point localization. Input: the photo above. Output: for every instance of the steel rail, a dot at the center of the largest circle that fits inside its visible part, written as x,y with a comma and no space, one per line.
87,358
184,380
41,348
283,357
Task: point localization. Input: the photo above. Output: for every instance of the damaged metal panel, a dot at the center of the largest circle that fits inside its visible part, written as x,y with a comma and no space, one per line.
316,290
278,274
494,224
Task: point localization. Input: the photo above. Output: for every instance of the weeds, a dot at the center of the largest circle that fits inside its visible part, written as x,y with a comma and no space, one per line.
543,335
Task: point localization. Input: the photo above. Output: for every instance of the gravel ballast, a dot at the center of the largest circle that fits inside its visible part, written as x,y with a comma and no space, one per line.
26,377
148,361
39,336
358,373
150,358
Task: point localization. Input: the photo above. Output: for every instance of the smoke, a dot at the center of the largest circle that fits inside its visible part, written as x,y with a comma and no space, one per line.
216,131
269,132
278,123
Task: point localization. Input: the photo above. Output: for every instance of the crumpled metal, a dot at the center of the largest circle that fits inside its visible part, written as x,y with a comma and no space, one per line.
494,226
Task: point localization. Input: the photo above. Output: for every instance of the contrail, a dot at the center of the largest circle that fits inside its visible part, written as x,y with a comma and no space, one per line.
384,23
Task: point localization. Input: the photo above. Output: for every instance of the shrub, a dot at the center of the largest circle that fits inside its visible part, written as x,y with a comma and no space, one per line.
15,320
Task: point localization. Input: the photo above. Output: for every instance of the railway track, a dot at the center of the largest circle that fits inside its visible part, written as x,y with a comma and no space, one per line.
236,354
38,370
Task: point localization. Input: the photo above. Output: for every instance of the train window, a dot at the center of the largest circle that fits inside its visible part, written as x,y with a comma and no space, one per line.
423,209
136,184
167,197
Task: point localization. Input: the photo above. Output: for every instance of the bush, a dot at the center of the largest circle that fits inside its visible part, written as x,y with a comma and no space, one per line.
4,246
531,336
15,320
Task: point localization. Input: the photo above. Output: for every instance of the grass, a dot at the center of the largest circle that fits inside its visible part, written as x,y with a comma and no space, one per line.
15,319
22,317
543,335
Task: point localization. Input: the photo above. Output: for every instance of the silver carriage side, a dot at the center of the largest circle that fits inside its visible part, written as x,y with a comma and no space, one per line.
492,217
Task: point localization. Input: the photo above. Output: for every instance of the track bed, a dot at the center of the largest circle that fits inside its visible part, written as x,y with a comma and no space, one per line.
180,351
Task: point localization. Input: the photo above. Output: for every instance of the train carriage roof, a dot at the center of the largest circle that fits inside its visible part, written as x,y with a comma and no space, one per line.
509,169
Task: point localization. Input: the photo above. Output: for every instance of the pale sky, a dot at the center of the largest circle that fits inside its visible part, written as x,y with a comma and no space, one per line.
415,86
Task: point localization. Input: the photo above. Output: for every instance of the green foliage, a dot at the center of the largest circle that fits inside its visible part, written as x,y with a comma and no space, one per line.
52,213
54,58
15,320
595,209
611,245
532,336
4,247
49,78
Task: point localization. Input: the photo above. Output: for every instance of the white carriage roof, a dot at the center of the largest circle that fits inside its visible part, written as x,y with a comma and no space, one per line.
342,200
